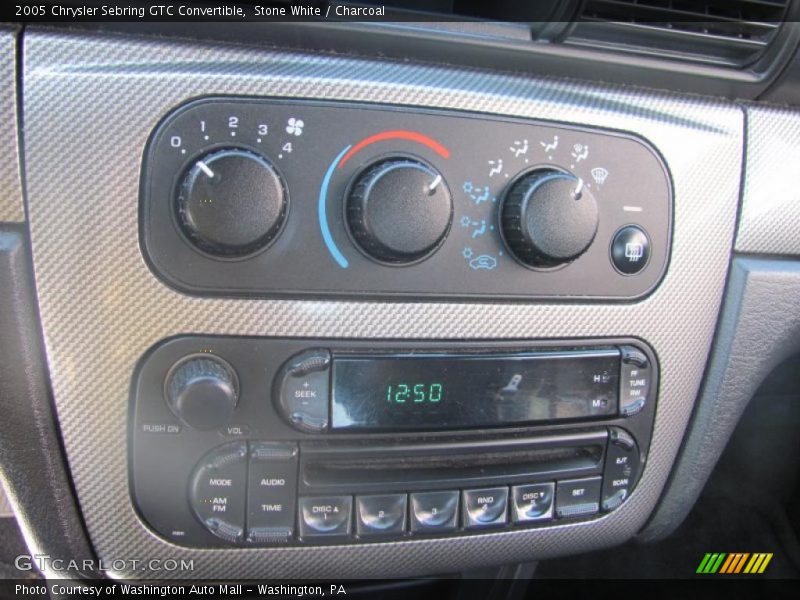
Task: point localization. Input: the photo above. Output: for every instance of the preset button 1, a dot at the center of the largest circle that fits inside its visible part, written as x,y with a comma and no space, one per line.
325,516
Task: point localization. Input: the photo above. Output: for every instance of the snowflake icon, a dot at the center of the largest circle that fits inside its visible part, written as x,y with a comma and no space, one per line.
295,126
467,253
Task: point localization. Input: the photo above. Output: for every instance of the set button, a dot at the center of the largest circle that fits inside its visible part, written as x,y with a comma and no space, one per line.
578,497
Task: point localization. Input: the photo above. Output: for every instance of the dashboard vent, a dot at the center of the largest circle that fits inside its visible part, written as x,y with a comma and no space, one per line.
723,32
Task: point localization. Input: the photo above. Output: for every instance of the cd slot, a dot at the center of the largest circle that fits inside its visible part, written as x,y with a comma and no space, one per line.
440,466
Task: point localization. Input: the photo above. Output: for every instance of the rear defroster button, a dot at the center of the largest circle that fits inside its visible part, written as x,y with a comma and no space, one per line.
630,250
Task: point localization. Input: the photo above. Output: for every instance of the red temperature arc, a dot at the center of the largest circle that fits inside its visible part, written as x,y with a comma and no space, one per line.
399,134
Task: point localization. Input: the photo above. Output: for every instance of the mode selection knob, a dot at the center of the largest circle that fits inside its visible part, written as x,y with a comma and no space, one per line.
548,218
399,210
202,390
231,203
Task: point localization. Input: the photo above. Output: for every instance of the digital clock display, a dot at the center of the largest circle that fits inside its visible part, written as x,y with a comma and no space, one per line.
417,392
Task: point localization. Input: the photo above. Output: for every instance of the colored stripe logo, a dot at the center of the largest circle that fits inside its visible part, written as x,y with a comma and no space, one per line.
734,563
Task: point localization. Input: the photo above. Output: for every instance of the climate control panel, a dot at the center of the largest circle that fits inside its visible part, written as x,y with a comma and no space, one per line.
294,198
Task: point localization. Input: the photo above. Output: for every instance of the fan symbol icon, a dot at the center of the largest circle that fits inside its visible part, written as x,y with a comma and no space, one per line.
295,126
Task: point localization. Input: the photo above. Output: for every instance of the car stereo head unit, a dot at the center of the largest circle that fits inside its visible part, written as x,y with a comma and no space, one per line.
250,441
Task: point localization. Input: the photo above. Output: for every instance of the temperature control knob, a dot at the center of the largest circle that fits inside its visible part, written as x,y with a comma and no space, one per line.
548,218
202,391
399,210
231,203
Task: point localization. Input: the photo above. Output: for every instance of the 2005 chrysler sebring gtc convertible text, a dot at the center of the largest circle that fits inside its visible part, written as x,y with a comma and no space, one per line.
453,298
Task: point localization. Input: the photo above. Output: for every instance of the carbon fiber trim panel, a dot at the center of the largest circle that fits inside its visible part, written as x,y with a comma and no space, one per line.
102,308
770,219
10,182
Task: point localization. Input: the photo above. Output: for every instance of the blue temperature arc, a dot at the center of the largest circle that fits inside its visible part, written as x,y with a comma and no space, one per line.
323,212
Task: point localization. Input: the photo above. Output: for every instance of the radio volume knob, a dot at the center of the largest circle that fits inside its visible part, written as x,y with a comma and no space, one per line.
231,203
399,210
548,218
202,391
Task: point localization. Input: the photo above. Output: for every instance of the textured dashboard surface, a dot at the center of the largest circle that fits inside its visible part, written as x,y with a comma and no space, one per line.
759,328
10,183
770,219
102,308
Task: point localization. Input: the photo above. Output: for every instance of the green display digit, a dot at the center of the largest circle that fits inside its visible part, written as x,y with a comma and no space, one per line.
435,392
419,392
389,394
402,393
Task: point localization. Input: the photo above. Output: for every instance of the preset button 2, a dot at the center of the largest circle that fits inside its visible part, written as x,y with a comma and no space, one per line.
381,514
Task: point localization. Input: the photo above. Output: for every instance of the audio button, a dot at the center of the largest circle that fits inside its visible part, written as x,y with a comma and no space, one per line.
271,492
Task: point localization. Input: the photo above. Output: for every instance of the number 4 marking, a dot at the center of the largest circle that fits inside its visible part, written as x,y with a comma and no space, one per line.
287,147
